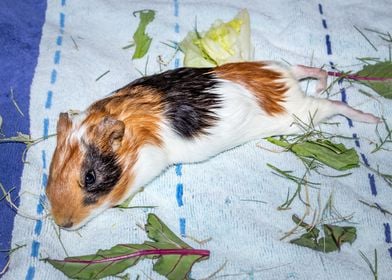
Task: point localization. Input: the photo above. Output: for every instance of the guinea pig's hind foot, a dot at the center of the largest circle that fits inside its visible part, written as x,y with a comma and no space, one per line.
354,114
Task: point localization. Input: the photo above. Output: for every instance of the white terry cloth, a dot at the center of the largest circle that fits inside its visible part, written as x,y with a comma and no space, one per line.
83,39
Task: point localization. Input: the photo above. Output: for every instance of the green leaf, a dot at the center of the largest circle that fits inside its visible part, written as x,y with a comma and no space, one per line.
334,237
159,232
382,70
140,38
336,156
175,258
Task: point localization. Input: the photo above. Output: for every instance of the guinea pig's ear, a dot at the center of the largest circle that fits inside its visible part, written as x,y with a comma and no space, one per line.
63,125
111,132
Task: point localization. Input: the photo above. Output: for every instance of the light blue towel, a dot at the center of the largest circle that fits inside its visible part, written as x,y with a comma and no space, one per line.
221,198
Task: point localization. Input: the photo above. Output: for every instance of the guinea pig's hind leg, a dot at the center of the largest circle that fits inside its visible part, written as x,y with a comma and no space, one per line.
341,108
302,72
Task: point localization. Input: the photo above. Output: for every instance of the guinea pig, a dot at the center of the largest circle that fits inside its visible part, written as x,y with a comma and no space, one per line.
120,143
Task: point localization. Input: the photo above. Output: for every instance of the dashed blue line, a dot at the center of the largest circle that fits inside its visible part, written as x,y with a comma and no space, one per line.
387,230
35,248
44,180
390,252
40,208
328,42
59,40
48,102
176,8
62,20
324,24
320,9
179,169
182,227
35,245
57,55
371,178
38,227
365,160
179,194
344,100
372,183
46,127
355,136
177,28
43,155
30,273
176,62
53,76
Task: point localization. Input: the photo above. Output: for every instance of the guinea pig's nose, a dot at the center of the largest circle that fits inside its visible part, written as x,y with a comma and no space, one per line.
66,224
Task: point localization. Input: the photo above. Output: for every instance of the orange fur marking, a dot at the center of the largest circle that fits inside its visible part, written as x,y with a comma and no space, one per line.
141,109
263,83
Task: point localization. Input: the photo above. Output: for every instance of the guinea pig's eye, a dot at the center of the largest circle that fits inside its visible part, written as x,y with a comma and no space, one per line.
89,178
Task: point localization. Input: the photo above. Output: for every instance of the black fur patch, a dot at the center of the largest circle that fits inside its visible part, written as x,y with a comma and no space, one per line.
107,174
188,98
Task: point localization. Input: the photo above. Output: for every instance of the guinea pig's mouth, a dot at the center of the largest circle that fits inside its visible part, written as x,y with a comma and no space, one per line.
72,224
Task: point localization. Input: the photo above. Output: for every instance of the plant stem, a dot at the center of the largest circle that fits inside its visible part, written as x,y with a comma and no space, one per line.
356,77
140,253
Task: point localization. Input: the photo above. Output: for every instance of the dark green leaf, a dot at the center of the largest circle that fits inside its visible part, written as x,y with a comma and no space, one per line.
174,257
382,70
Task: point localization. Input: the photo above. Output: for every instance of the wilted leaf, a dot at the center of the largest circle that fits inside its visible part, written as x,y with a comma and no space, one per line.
141,39
336,156
380,75
174,257
334,236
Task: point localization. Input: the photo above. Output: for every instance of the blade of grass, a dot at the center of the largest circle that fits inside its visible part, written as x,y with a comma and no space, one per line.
366,38
373,268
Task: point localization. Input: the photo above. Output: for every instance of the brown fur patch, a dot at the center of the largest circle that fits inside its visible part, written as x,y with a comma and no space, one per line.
263,83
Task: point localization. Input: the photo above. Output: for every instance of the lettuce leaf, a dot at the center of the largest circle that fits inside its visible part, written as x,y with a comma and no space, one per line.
222,43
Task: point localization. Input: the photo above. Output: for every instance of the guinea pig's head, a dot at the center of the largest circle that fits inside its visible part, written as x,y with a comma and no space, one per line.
86,171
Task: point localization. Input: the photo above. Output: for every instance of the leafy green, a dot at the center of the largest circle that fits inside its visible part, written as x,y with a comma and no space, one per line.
336,156
222,43
141,40
175,258
379,77
334,236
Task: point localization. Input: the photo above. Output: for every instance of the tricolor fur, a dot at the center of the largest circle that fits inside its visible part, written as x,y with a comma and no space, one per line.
122,142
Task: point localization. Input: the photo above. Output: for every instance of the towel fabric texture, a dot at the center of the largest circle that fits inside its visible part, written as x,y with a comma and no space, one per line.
231,199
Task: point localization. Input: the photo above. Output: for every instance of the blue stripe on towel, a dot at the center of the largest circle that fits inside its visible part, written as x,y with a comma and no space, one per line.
35,245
